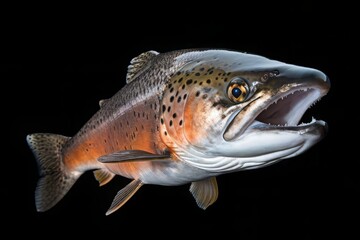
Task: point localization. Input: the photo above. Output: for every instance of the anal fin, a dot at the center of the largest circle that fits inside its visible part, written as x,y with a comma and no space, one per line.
124,195
205,192
103,176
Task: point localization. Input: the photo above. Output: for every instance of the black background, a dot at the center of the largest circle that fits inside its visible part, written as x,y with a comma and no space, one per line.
57,65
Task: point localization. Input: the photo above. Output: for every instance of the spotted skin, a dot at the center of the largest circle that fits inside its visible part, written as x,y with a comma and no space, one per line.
180,105
198,88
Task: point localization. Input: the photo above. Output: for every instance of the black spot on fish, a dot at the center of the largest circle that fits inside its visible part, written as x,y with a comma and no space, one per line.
178,73
127,123
202,69
177,93
228,73
197,93
170,123
174,115
170,85
188,82
162,121
183,87
195,82
185,96
208,81
197,74
200,83
180,80
181,122
179,99
169,108
211,72
216,78
171,98
225,80
223,103
219,74
205,96
165,133
171,90
163,108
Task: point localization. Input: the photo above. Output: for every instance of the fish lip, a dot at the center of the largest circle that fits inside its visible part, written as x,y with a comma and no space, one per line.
314,127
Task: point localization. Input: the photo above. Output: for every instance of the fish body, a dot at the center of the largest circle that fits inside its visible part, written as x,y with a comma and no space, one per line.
186,117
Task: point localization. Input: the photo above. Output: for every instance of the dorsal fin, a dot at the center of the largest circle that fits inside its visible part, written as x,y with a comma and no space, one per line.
138,64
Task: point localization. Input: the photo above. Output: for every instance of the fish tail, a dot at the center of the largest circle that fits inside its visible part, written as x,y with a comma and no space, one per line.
55,180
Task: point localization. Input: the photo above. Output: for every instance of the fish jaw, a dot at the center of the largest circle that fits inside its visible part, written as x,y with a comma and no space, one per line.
281,102
266,129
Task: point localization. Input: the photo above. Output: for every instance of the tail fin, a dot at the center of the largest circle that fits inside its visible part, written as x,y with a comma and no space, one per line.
55,181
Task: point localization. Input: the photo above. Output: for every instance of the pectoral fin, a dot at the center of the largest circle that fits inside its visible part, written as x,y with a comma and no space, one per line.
124,195
205,192
103,176
132,155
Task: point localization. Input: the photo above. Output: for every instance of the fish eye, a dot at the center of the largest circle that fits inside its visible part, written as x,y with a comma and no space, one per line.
238,90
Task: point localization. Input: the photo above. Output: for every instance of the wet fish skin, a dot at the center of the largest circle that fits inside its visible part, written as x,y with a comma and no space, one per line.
177,121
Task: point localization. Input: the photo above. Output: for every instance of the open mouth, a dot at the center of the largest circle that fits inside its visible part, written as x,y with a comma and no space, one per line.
287,110
283,111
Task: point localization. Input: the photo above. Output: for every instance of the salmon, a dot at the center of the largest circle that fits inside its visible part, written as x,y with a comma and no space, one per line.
186,117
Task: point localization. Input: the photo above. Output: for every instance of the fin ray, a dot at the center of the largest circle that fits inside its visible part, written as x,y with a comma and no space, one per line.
205,192
139,64
124,195
132,155
55,181
103,176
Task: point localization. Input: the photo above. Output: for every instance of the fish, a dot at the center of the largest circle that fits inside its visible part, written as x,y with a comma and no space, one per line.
186,117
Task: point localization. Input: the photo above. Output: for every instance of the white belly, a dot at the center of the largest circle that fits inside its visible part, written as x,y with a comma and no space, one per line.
159,172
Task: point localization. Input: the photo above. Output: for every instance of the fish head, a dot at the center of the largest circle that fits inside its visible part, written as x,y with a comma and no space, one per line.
226,111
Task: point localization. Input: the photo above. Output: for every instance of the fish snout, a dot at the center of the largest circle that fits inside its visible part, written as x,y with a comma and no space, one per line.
305,76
